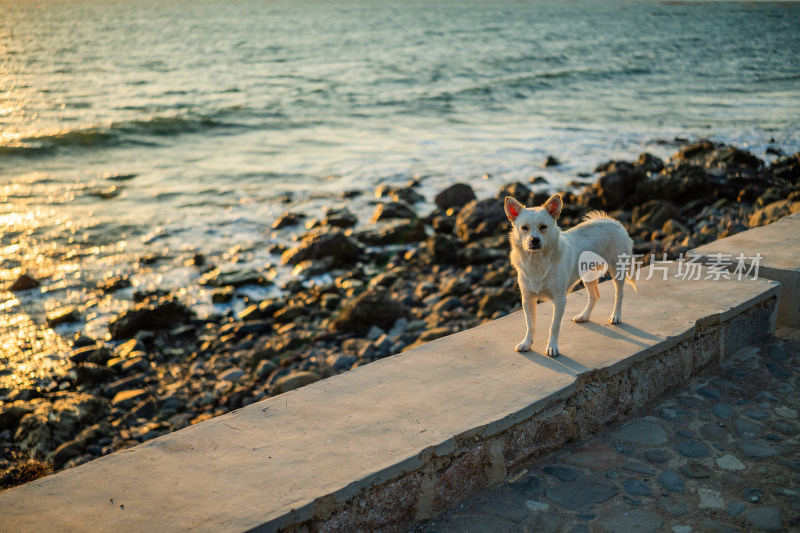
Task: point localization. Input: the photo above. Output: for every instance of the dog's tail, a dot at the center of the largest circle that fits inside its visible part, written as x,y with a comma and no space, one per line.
594,215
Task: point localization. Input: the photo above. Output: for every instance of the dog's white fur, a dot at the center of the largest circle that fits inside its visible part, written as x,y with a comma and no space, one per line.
546,261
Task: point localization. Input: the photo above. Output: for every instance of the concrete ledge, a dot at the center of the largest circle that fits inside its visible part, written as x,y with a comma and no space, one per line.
405,437
779,246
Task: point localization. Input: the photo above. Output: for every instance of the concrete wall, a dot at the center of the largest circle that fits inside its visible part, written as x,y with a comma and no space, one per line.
405,437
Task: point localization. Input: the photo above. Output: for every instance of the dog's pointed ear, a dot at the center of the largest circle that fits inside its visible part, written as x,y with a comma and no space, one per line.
553,205
513,208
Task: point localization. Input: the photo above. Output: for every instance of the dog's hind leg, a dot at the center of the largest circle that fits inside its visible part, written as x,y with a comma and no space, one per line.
529,309
559,303
594,295
619,285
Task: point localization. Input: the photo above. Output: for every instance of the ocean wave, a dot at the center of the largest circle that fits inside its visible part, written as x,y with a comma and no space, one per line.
132,132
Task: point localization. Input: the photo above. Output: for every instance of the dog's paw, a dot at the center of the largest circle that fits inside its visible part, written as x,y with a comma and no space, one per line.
524,346
614,319
552,350
580,319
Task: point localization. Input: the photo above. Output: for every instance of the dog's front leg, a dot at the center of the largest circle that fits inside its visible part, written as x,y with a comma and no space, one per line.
559,304
529,309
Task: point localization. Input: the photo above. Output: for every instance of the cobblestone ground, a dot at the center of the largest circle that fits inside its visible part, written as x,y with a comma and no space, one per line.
720,455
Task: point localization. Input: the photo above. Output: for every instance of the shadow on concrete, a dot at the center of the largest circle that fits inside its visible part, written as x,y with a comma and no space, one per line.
615,334
638,332
562,363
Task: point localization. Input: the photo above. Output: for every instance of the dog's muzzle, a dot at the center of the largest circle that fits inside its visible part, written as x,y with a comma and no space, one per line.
533,244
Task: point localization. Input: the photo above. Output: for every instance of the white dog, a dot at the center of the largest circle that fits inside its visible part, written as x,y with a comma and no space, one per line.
546,260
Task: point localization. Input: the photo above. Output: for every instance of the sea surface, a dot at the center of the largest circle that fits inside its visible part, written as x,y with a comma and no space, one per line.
136,134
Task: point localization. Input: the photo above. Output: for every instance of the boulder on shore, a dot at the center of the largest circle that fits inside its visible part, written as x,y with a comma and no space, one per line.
374,307
331,243
482,218
151,316
457,196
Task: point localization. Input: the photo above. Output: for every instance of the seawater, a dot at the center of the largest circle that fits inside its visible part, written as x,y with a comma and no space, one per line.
131,129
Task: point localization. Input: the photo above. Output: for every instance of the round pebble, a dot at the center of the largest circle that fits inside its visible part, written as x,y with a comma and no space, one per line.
693,448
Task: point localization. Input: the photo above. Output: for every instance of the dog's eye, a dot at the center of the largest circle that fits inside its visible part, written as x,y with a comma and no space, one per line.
525,227
542,227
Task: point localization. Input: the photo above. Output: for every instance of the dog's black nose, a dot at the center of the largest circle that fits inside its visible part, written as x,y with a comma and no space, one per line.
536,241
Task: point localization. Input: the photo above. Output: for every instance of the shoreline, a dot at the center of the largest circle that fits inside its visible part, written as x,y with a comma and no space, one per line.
356,296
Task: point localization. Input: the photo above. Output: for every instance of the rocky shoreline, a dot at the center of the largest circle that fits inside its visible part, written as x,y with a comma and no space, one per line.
357,295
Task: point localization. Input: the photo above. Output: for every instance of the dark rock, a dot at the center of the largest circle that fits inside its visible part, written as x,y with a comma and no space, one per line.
12,413
551,161
657,456
92,374
642,433
649,163
455,196
746,429
671,481
714,433
321,244
128,398
693,448
787,168
96,354
756,414
67,451
752,495
295,380
130,382
654,214
691,401
288,219
441,249
443,224
404,194
639,469
24,283
772,212
497,300
235,278
735,508
399,231
223,295
64,315
766,518
731,160
562,473
145,409
784,427
479,253
51,424
760,449
480,219
708,392
374,307
516,190
581,495
635,487
149,316
340,218
722,410
778,354
675,183
390,210
617,184
695,470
